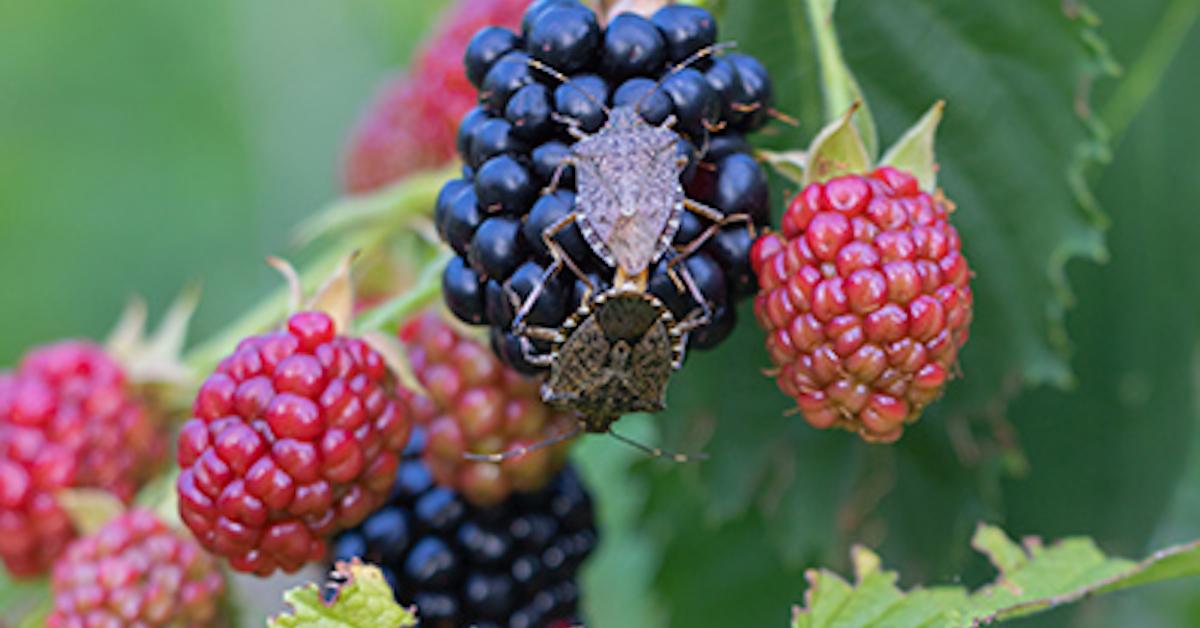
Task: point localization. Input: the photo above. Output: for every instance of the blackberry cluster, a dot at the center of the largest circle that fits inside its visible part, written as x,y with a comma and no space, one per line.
512,564
513,141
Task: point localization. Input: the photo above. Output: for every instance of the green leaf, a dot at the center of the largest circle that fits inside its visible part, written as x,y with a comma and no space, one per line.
1032,578
914,151
839,87
838,149
362,599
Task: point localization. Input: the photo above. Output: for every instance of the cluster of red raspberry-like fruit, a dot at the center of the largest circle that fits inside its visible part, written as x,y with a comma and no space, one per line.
68,419
294,437
135,571
865,298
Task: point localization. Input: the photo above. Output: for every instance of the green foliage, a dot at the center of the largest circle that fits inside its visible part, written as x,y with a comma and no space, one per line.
1031,578
362,599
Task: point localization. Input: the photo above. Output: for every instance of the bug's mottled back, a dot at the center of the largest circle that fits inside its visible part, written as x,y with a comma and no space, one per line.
618,360
628,190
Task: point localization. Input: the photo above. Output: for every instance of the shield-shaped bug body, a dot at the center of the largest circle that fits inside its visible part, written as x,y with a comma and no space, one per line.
628,192
616,358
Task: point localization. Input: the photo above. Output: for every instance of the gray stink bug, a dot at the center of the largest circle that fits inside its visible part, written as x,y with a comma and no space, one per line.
629,197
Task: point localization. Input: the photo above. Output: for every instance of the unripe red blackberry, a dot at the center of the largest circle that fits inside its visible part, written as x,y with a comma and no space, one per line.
514,140
294,436
68,418
411,124
477,405
865,297
510,564
134,571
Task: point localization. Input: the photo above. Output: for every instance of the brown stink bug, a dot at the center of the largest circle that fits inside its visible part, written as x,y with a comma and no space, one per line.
612,357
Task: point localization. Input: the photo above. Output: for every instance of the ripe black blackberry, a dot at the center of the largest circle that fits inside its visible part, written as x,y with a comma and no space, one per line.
513,564
514,141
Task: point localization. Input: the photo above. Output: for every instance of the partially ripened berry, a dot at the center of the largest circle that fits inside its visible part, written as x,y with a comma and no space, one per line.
475,404
865,298
517,146
510,564
135,571
68,419
295,436
411,123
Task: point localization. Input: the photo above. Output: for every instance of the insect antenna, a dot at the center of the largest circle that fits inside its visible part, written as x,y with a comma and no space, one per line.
655,452
706,51
521,451
566,80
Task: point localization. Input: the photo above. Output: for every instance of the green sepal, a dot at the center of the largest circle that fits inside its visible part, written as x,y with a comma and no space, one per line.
914,151
837,150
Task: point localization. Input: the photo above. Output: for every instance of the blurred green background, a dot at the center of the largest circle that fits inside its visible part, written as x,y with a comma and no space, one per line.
145,144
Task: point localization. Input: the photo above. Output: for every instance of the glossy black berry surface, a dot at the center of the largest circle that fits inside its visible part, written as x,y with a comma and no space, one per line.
513,564
561,76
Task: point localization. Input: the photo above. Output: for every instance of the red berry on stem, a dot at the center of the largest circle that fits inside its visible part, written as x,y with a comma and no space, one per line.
294,437
68,418
865,298
135,571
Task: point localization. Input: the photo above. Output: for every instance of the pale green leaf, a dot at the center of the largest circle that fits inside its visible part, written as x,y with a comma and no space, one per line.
363,599
838,149
1032,578
914,151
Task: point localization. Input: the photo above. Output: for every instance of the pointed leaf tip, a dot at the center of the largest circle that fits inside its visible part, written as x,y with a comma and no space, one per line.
915,150
837,150
336,296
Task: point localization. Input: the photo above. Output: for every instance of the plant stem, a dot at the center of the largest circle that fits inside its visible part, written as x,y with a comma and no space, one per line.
427,288
839,89
1146,73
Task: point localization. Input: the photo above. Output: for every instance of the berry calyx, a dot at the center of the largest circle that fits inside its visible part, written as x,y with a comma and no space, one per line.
294,436
865,297
135,571
68,419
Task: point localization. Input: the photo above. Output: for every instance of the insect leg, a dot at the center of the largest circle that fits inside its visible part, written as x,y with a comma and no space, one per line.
719,221
560,254
566,80
573,125
656,452
521,451
558,174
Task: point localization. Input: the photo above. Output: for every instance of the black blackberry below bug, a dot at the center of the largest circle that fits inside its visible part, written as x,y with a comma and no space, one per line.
513,564
515,141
